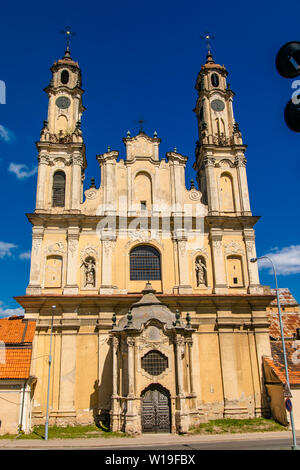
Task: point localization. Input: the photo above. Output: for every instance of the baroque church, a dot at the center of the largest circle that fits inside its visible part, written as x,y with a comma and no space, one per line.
143,290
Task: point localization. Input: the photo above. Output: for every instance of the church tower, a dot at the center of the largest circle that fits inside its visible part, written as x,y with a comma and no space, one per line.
220,164
61,150
160,320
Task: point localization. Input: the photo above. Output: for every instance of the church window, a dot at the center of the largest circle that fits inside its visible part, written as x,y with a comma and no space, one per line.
143,205
201,114
144,264
58,193
154,362
64,77
215,80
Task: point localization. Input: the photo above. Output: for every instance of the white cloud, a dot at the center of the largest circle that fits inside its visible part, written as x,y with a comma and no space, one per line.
7,312
6,134
21,170
25,255
286,260
5,249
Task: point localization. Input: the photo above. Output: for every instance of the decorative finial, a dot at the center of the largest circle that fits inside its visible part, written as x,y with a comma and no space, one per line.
207,37
154,134
192,184
92,183
175,149
114,319
177,316
128,134
188,319
68,33
108,148
129,318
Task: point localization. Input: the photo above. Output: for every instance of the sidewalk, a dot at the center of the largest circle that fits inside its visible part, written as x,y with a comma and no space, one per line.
139,442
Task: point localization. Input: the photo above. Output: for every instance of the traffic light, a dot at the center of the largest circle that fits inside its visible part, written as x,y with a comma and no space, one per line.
288,66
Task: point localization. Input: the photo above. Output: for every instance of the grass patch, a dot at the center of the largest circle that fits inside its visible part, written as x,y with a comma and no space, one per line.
68,432
234,426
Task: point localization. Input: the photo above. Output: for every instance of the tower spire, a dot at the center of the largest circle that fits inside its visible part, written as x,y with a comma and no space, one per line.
207,37
68,34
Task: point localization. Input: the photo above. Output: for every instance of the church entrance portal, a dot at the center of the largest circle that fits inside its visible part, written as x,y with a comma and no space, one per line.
156,413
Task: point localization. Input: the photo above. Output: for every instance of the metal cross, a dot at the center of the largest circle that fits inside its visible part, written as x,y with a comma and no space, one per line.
141,122
68,33
207,38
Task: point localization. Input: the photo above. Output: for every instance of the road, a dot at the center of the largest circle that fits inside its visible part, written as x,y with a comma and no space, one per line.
163,442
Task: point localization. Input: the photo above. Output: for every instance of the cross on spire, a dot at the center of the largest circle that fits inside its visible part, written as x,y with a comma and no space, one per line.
68,33
207,37
141,123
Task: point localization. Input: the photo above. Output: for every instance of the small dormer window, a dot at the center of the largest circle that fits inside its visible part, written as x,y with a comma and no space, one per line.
215,80
64,77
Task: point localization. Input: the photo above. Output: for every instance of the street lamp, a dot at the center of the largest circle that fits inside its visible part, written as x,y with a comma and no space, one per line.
254,260
49,370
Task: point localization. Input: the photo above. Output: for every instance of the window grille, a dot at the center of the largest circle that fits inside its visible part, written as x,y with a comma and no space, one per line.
145,264
154,362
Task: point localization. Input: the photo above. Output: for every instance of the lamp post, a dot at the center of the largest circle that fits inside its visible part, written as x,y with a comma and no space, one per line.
49,371
254,260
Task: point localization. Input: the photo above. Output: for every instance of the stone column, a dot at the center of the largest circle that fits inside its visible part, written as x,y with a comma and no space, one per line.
72,261
220,283
229,371
114,414
41,182
184,286
67,413
254,284
131,414
240,163
76,182
108,243
212,188
190,345
181,415
34,286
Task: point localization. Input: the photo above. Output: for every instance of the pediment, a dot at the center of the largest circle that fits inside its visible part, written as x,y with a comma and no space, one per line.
142,146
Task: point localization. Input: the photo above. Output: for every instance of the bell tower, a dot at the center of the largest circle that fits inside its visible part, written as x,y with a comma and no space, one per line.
61,149
220,161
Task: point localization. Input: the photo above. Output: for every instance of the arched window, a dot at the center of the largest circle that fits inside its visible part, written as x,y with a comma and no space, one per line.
58,191
215,80
64,77
226,193
144,264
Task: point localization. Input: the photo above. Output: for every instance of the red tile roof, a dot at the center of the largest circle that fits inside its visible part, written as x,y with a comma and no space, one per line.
16,330
17,335
285,298
290,322
293,360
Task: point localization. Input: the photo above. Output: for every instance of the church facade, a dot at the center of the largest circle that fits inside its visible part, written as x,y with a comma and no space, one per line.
158,316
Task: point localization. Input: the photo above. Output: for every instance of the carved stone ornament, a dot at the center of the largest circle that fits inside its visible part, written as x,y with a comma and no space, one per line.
240,160
58,247
194,195
90,250
43,159
72,245
233,248
209,162
91,194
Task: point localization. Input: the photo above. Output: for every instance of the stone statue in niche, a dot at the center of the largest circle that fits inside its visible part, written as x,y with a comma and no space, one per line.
200,268
90,272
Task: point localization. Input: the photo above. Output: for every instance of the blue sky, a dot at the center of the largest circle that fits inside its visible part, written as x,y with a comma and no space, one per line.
141,59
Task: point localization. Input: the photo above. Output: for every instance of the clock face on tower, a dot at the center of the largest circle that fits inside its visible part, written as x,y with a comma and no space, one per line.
63,102
217,105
